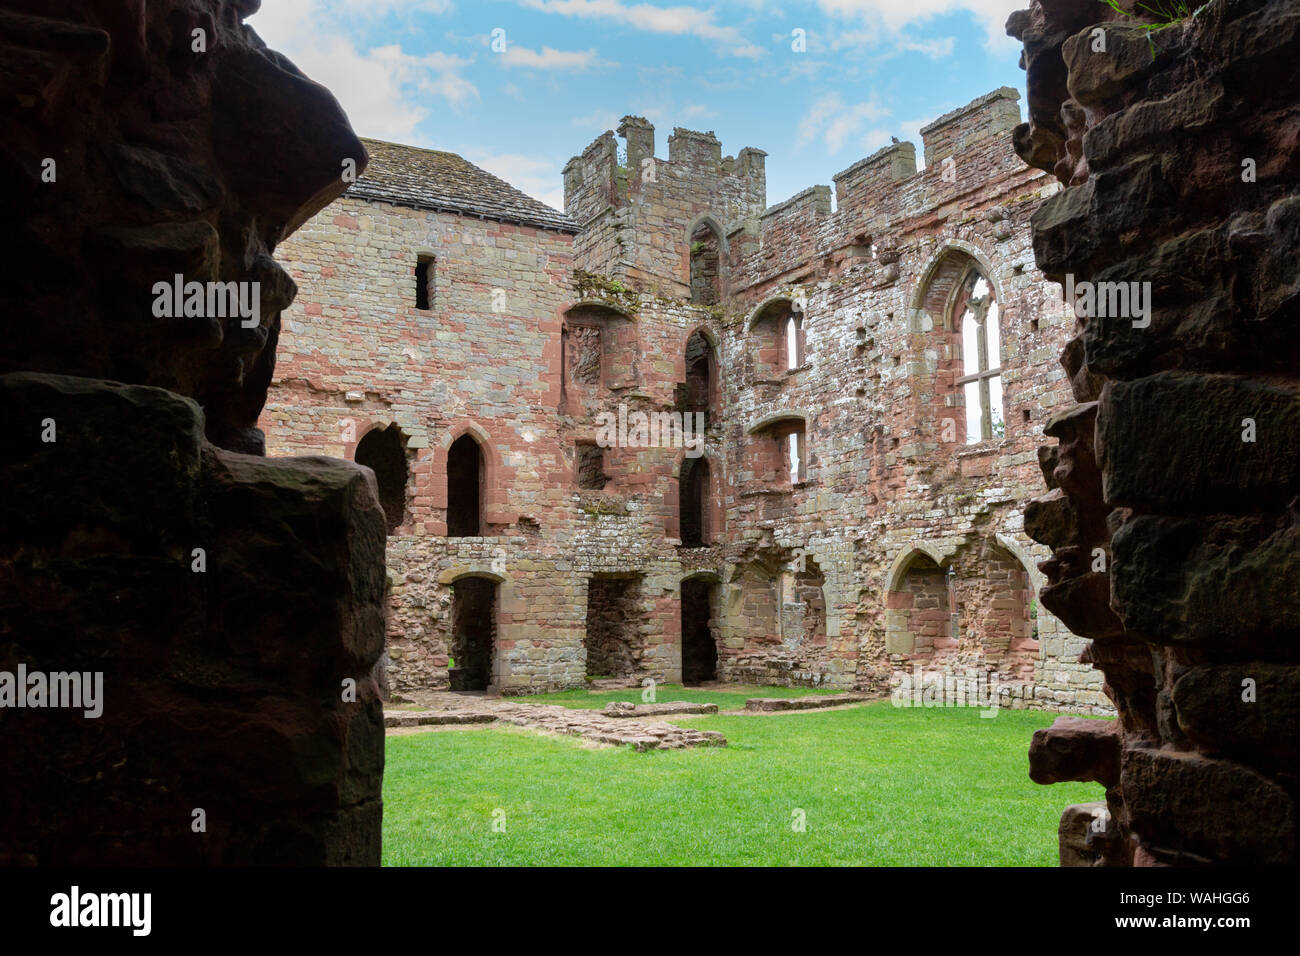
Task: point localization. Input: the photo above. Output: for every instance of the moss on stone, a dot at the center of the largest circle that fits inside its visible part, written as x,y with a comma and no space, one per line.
592,285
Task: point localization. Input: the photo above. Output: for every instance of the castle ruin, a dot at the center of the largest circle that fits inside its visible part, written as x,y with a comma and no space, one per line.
675,433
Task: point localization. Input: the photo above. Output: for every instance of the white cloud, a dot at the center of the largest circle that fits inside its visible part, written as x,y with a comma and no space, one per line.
597,119
377,8
540,178
936,48
834,121
675,21
894,15
660,113
549,59
876,139
383,89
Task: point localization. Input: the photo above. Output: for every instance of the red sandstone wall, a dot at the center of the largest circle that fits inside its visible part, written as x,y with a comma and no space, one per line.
875,394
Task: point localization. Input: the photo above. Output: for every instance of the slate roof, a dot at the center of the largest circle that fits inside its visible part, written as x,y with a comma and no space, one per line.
433,179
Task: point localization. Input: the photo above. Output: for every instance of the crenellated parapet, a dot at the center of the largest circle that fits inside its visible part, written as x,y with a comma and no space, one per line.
655,223
640,214
884,199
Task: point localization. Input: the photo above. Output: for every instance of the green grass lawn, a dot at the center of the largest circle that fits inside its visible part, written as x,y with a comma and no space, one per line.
878,785
583,699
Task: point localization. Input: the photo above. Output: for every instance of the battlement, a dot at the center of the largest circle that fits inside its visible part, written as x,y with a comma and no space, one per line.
595,179
638,215
641,218
690,146
969,158
996,112
877,172
639,134
804,208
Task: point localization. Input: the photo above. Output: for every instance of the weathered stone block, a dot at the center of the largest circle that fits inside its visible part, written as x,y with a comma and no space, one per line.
1249,710
1178,443
191,580
1194,804
1075,748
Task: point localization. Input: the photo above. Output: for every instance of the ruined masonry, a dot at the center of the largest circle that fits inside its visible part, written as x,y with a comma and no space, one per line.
223,597
1176,459
869,375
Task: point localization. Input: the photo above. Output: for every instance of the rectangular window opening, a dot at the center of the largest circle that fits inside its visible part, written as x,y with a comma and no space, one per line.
424,274
591,467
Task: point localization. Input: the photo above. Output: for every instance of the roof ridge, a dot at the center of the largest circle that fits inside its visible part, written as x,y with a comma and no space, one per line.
425,178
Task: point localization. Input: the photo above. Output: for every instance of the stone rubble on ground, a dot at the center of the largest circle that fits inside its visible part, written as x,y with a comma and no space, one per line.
587,724
811,702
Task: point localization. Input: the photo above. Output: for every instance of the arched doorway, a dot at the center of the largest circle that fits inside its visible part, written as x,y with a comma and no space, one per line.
464,488
920,609
383,452
615,640
998,613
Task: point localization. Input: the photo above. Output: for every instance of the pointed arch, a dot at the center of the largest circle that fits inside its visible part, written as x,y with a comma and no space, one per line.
493,476
383,451
955,249
775,303
701,372
919,601
956,302
694,512
707,255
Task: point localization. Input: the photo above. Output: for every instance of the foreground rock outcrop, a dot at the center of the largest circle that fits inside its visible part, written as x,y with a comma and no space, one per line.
187,629
1174,491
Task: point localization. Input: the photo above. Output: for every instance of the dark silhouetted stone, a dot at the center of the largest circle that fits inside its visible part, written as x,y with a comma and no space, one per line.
233,604
1174,528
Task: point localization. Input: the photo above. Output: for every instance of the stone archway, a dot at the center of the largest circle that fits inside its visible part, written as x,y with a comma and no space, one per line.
996,600
919,606
383,451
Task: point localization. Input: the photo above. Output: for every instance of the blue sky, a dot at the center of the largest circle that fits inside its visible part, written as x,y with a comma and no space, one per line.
425,72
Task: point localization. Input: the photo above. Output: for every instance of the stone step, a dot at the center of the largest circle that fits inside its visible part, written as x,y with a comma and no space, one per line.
424,718
622,708
811,702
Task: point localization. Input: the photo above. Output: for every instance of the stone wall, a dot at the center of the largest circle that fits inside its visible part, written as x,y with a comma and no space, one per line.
224,609
891,478
1172,502
640,218
357,355
599,325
